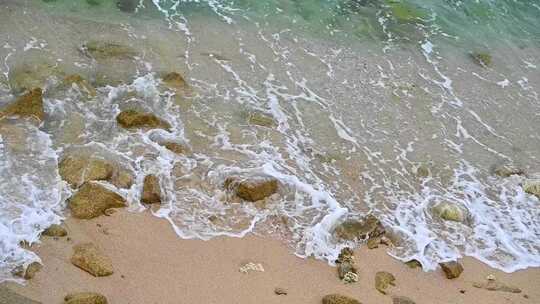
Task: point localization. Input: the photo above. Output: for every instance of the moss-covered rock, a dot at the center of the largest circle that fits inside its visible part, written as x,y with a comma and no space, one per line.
27,272
481,58
347,272
532,186
413,264
28,105
103,50
92,200
174,81
90,258
452,269
261,119
55,230
132,119
151,193
367,228
338,299
384,279
175,147
78,169
405,12
449,212
85,298
254,188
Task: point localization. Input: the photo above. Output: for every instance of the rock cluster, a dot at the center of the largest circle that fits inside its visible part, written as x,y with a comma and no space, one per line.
347,272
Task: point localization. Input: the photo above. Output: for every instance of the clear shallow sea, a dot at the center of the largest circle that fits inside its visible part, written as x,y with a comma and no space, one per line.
361,93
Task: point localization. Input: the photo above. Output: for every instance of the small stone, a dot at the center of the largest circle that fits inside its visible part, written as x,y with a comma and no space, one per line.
175,80
452,269
338,299
91,259
402,300
493,285
367,228
151,193
55,230
253,189
532,186
462,291
422,171
85,298
92,200
280,291
481,58
450,212
29,272
28,105
384,279
131,119
413,264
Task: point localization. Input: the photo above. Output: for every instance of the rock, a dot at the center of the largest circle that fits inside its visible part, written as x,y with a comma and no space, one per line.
175,147
481,58
85,298
532,186
367,228
253,189
507,170
384,279
175,81
493,285
92,200
55,230
338,299
83,85
452,269
422,171
261,119
414,264
89,258
449,212
280,291
8,296
151,193
127,6
28,105
347,272
29,272
131,119
102,50
122,178
402,300
76,170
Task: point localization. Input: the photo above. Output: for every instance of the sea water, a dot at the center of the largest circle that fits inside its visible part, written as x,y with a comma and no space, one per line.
362,94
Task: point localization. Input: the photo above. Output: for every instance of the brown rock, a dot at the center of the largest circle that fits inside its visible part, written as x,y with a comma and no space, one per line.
452,269
55,230
78,80
131,119
174,80
29,272
253,189
151,193
347,272
413,264
367,228
77,170
28,105
89,258
280,291
384,279
175,147
102,50
338,299
401,300
92,200
122,178
85,298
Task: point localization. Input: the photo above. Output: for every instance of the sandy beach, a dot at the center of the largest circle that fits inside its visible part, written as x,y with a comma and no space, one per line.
152,265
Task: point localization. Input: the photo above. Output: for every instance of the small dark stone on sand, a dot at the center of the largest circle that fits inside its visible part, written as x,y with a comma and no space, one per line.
280,291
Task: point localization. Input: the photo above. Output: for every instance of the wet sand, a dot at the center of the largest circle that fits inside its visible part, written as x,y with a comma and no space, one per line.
153,265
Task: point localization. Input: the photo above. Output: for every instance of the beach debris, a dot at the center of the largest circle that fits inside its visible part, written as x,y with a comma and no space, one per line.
251,267
91,259
29,104
101,50
507,170
92,200
365,229
175,147
280,291
338,299
151,193
449,212
413,264
384,279
29,271
55,230
132,119
492,284
252,189
174,80
402,300
452,269
85,298
347,272
7,296
481,58
532,186
78,169
261,119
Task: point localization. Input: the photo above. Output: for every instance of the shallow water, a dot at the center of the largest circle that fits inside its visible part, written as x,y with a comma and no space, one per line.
361,94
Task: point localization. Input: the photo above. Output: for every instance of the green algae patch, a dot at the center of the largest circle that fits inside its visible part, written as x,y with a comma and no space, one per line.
404,12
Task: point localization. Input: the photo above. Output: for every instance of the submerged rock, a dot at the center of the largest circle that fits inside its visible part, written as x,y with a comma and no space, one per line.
402,300
405,12
32,73
131,119
175,81
76,170
532,186
101,50
8,296
127,6
507,170
94,2
151,193
369,227
78,80
29,272
253,189
452,269
384,279
175,147
261,119
28,105
92,200
338,299
347,272
481,58
449,212
55,230
91,259
122,178
85,298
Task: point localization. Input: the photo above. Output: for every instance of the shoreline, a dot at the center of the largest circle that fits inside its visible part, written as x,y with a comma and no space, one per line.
153,265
